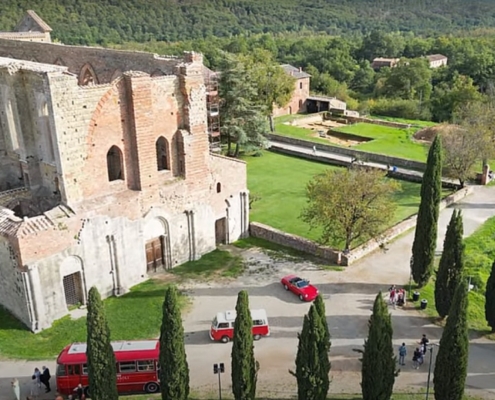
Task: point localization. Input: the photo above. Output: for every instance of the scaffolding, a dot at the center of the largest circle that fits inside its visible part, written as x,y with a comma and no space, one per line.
213,108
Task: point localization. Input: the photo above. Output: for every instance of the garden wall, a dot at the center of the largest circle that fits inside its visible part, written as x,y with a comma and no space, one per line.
273,235
381,122
361,155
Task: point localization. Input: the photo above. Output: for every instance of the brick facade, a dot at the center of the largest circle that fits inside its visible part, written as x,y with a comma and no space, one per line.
297,103
103,170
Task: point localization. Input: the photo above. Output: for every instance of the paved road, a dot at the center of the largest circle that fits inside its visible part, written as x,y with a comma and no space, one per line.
348,296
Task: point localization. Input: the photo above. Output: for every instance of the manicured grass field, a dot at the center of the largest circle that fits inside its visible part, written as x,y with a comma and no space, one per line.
280,182
479,256
386,140
125,318
390,141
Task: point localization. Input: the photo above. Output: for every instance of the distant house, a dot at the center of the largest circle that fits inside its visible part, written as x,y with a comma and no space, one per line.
301,92
315,104
31,28
381,62
437,60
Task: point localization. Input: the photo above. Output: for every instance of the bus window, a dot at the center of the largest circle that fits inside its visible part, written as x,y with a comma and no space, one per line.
61,370
74,369
146,365
127,366
258,322
223,325
85,369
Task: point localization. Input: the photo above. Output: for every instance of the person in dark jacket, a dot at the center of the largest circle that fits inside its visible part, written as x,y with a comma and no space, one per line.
45,379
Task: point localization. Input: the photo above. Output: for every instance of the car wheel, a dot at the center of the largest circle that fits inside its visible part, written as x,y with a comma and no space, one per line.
87,392
152,387
301,297
286,287
257,337
225,339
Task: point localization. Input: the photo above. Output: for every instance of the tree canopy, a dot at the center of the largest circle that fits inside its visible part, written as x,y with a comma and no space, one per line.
349,204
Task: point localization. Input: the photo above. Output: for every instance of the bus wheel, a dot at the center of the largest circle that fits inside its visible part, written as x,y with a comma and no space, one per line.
225,339
87,392
257,337
151,387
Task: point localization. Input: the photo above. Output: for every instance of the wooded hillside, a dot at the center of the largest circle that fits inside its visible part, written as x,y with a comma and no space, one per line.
116,21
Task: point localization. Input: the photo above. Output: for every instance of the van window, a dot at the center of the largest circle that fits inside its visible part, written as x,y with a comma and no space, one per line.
61,370
258,322
146,365
223,325
74,369
127,366
85,369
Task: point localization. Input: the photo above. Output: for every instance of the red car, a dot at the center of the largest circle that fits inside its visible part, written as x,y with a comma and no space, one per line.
300,287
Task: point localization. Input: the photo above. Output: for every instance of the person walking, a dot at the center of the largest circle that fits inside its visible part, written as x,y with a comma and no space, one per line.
417,358
314,149
37,376
79,390
16,388
402,354
424,343
45,379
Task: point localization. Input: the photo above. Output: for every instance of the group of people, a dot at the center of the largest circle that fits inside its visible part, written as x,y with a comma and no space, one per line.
396,296
418,355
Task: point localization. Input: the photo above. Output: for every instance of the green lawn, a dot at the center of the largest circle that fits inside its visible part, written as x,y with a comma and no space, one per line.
389,141
280,182
479,256
386,140
126,319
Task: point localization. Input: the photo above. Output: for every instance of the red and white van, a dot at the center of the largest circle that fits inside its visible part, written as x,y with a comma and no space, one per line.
222,326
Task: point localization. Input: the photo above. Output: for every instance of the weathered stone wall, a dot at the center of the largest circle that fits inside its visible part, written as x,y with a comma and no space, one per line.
361,155
106,64
381,122
12,286
273,235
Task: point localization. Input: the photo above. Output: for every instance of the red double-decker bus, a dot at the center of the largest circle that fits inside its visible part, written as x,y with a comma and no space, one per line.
137,367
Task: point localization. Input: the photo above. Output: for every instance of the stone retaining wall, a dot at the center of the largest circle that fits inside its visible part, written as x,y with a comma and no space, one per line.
381,122
273,235
361,155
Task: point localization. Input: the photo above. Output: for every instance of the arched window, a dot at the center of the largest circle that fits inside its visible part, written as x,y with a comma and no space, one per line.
180,156
114,164
219,187
87,76
162,158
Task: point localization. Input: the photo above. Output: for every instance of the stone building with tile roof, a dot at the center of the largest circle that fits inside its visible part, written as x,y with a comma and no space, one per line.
30,28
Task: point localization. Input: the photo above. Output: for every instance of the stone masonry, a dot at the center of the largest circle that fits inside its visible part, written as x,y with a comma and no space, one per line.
105,178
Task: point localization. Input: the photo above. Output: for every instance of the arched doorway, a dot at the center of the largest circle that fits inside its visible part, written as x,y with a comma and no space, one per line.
157,245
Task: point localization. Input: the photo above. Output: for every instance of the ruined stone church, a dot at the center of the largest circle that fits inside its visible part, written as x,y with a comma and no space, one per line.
105,172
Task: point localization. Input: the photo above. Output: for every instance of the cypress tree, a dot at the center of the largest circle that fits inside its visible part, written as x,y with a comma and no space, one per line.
425,237
311,373
378,362
102,372
451,265
490,299
244,365
323,345
452,358
174,370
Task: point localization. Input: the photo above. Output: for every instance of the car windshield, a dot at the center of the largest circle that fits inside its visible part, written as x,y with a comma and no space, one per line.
302,284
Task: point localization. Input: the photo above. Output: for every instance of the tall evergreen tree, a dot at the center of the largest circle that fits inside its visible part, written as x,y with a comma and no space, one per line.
452,358
174,369
244,365
311,368
450,269
490,299
425,237
378,362
323,344
102,372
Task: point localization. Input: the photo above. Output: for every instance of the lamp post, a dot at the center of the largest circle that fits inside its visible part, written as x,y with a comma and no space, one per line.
219,369
429,370
411,261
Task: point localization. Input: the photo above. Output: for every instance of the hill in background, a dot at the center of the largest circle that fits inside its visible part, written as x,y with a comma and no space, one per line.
117,21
